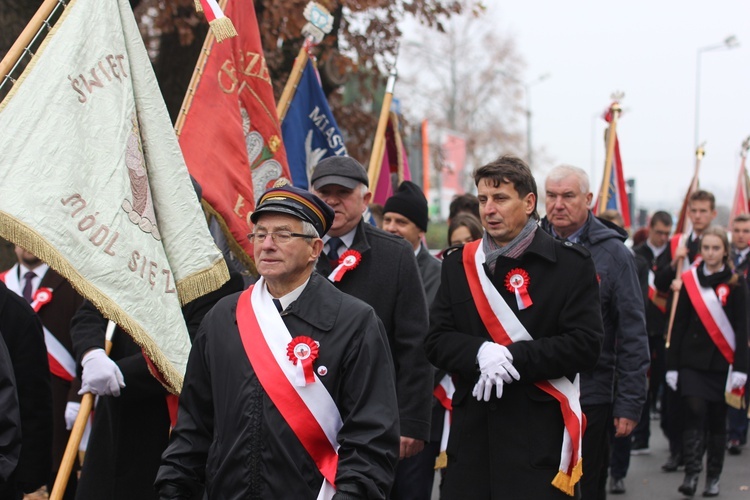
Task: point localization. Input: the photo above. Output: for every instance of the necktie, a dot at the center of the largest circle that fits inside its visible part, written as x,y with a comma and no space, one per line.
277,303
27,286
333,250
737,259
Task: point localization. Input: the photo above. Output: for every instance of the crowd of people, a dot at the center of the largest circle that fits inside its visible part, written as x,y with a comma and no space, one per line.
524,360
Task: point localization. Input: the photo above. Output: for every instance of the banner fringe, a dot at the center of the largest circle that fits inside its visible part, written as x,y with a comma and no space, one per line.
198,6
735,400
222,29
441,462
567,483
18,233
205,281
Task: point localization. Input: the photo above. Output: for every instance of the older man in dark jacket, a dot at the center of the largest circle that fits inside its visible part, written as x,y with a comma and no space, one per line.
383,274
289,387
625,355
515,319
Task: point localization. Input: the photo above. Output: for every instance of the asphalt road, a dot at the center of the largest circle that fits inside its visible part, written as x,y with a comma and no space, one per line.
646,481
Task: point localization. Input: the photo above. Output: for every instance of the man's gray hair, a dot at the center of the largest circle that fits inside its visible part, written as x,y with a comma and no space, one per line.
309,230
562,172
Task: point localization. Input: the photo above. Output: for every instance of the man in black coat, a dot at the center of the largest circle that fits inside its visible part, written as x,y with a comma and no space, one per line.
739,253
405,214
131,420
624,356
22,332
386,277
249,425
508,428
654,252
10,420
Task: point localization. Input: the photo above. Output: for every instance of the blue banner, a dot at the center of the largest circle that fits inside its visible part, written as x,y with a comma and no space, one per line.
309,129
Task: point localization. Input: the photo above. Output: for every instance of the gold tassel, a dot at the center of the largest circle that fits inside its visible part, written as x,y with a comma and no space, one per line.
441,462
566,483
198,6
734,400
222,29
198,284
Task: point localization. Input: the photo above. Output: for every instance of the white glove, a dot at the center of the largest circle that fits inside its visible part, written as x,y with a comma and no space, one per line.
496,359
483,388
739,380
671,379
101,376
71,412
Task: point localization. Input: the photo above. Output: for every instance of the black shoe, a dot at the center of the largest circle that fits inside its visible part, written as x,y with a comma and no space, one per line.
712,487
616,486
733,447
689,485
673,462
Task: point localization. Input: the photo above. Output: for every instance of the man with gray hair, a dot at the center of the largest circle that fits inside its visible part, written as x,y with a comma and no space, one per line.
625,355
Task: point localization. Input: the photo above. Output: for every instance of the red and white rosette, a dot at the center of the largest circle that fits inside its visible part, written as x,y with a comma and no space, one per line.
302,352
348,261
722,291
43,295
517,281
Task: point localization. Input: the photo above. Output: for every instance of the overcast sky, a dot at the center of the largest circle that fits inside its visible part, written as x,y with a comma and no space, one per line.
646,49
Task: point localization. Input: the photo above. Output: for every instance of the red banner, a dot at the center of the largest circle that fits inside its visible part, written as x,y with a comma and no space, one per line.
230,136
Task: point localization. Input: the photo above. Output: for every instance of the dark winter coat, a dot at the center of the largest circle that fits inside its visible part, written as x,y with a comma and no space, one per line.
656,319
691,346
23,335
625,353
10,419
231,437
429,271
129,432
510,448
388,280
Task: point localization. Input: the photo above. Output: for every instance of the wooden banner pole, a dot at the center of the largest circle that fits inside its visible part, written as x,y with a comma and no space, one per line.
291,83
71,450
604,192
378,146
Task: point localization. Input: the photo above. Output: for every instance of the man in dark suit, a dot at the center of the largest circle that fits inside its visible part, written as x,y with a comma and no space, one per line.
405,214
55,310
381,270
739,254
515,319
22,332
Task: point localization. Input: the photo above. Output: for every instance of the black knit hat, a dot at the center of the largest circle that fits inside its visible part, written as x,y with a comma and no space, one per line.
298,203
410,202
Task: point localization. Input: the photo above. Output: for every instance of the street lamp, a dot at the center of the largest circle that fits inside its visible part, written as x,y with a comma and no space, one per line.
729,42
527,90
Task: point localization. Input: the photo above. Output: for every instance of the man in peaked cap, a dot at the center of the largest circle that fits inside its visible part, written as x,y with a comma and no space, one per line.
384,274
289,387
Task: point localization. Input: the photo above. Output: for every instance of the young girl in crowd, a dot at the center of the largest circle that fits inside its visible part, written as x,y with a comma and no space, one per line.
707,356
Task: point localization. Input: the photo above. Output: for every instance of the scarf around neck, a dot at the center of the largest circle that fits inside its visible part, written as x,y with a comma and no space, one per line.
513,250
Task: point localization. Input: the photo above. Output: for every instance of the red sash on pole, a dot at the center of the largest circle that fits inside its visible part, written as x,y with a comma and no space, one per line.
565,392
283,393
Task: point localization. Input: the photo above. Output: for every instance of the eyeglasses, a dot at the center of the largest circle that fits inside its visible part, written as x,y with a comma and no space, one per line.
278,237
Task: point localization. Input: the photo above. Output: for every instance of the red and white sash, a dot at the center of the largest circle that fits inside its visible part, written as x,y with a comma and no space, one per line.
61,362
444,394
711,313
505,328
656,297
310,410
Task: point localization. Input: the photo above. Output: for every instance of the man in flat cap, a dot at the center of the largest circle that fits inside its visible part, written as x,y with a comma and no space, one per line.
381,270
289,387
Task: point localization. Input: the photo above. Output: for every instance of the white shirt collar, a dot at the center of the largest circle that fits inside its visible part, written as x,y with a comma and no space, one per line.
347,238
40,271
293,295
656,250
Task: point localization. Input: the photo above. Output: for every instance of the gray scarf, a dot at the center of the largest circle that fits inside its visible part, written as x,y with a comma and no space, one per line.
514,249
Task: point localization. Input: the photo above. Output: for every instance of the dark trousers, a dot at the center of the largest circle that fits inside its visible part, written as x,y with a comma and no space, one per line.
672,419
596,451
620,459
642,432
415,475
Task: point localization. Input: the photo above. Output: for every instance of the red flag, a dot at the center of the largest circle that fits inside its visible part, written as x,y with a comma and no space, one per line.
395,161
230,136
740,204
683,223
616,195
